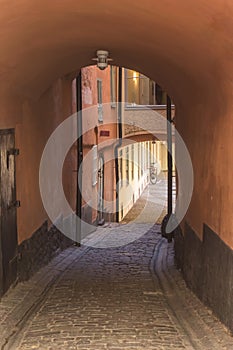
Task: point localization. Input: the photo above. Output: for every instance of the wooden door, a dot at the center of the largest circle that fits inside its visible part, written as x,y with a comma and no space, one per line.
8,204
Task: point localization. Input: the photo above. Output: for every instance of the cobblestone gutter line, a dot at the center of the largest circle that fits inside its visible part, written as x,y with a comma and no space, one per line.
19,303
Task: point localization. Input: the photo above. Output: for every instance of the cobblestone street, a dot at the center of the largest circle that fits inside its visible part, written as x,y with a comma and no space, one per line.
120,297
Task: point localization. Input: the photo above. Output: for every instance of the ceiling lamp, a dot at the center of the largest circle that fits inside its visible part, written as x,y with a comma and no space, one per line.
102,59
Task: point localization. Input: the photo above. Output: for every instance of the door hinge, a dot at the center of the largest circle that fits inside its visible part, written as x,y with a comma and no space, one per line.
11,152
17,204
14,204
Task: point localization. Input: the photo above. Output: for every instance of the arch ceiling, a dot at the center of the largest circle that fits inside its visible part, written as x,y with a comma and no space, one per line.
183,45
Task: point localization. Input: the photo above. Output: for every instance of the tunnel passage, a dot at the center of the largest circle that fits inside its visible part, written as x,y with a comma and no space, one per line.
187,48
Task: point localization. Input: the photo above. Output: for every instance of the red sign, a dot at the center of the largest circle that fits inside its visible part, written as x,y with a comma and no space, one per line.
104,133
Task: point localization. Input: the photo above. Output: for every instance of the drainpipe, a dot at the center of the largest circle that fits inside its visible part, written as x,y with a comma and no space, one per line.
169,156
169,176
119,144
79,158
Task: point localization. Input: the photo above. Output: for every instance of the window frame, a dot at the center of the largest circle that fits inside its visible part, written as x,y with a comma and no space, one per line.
100,99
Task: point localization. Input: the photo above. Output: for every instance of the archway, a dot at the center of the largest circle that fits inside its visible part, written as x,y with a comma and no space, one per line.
185,47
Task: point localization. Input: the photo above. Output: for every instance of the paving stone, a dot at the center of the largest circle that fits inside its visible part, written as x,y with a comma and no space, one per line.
127,297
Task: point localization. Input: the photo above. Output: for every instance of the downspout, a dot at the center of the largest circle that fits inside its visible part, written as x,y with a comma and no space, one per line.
169,156
119,144
79,158
169,176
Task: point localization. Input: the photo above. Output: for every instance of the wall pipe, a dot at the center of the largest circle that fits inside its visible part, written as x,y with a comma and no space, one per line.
169,175
169,156
79,157
119,144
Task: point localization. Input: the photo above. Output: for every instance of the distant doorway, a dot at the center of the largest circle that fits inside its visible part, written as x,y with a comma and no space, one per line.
101,191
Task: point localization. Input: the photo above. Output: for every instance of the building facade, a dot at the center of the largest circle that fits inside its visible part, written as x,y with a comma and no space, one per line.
145,137
99,122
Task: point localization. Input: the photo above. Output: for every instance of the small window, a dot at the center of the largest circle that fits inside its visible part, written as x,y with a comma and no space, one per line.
143,165
100,99
113,84
139,161
161,97
120,164
132,162
94,165
127,164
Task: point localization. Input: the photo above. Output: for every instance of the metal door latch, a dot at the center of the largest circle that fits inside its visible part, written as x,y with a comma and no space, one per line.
11,152
14,204
17,204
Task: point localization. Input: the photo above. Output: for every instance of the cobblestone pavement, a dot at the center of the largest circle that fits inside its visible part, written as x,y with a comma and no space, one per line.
151,206
125,297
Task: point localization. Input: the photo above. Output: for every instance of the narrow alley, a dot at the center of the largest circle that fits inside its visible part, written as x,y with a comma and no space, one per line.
116,138
124,297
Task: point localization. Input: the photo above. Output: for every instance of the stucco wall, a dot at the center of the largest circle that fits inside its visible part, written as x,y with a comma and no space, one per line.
208,134
34,121
92,128
189,55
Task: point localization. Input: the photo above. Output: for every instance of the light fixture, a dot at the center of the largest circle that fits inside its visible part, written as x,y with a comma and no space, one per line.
102,59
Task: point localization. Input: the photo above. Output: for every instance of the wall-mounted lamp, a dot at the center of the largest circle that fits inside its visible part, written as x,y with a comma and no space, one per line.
102,59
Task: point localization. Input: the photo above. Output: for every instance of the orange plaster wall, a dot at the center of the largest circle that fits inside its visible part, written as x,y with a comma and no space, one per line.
185,46
209,137
34,121
92,137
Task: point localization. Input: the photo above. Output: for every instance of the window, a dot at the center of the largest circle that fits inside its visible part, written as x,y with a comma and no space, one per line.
113,84
100,99
141,90
94,165
127,164
142,159
120,168
160,95
139,161
132,162
147,154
